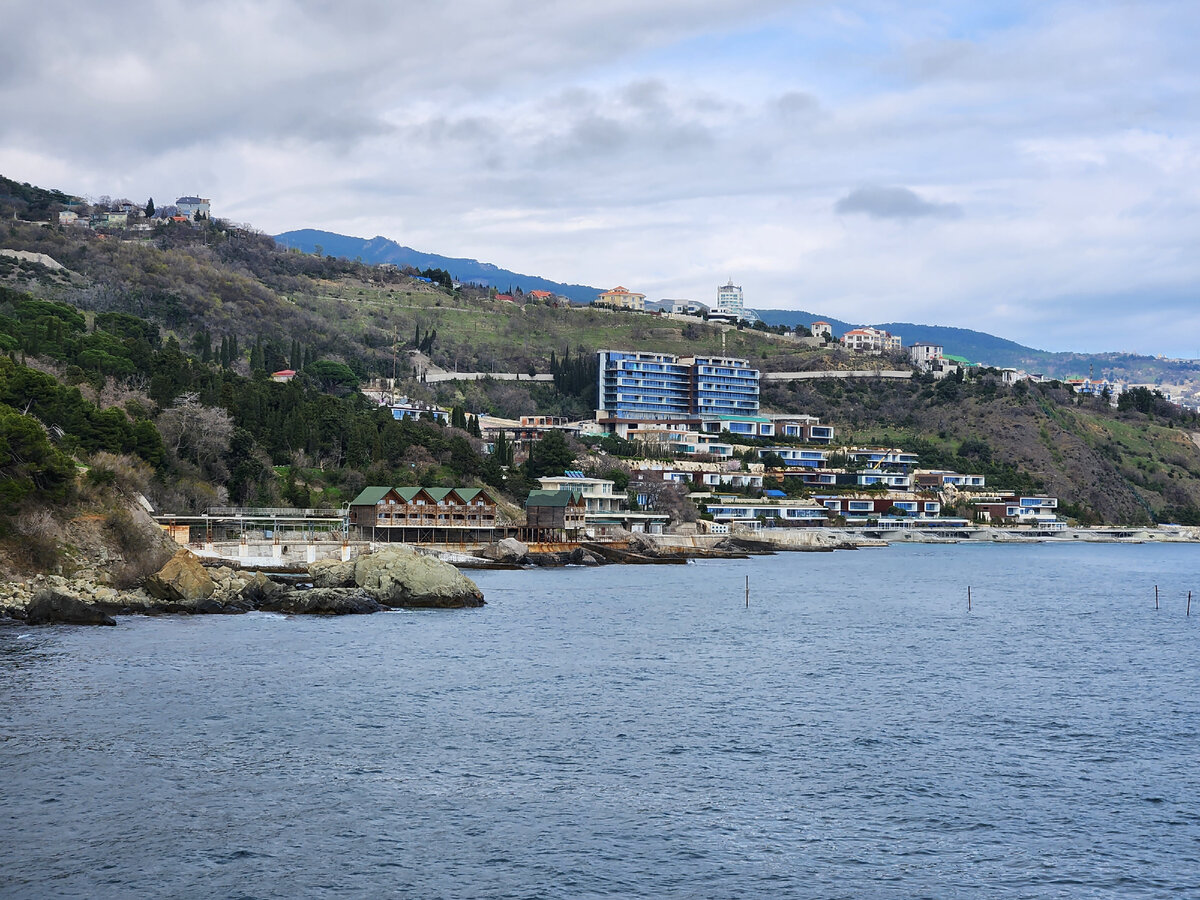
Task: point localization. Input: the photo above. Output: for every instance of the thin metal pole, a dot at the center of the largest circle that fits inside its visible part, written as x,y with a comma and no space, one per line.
968,598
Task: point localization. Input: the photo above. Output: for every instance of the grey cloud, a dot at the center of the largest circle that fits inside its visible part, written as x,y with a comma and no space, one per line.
796,104
895,203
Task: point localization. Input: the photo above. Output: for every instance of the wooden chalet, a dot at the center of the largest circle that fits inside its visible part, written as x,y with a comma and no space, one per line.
554,516
421,515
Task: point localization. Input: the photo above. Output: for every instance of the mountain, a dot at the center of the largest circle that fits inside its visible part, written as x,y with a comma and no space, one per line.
988,349
382,250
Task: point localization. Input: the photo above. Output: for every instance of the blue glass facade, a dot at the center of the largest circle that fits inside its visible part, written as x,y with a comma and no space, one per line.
662,386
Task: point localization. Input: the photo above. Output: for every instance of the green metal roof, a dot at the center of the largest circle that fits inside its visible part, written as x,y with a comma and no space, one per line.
553,498
469,494
369,496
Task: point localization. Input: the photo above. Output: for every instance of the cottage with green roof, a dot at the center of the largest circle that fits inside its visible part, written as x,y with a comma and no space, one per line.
424,515
554,515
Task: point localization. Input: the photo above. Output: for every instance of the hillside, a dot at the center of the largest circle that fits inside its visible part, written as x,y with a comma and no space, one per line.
378,250
1105,465
148,359
976,346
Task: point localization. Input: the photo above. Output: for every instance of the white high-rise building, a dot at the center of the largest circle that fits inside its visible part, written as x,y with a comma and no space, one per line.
729,301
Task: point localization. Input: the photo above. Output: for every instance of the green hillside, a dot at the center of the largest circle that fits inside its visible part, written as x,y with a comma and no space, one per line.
147,360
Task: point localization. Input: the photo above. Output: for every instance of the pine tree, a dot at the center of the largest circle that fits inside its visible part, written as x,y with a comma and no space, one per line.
149,207
502,451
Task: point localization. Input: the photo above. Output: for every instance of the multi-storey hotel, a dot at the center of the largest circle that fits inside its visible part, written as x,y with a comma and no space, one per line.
660,387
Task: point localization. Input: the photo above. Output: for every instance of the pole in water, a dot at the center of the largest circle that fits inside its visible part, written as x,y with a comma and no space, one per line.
748,592
1189,609
1156,596
968,598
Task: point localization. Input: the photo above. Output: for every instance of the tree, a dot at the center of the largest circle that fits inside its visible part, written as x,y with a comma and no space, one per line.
503,450
772,460
549,456
28,461
149,207
332,376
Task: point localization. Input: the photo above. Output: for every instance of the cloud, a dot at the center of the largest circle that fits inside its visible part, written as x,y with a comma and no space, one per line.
895,203
666,145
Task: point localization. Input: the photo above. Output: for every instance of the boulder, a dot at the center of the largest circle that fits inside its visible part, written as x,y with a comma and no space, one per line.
323,602
259,590
332,573
183,580
51,606
582,557
509,550
400,576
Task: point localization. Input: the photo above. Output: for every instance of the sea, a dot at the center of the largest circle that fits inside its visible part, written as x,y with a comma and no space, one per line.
809,725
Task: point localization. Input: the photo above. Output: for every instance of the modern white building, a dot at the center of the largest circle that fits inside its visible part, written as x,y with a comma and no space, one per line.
925,354
597,493
729,302
870,340
688,308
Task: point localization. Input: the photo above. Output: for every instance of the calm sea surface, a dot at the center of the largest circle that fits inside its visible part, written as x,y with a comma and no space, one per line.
632,732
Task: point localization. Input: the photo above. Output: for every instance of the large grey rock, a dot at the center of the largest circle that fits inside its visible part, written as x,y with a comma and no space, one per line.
183,580
332,573
509,550
51,606
323,602
400,576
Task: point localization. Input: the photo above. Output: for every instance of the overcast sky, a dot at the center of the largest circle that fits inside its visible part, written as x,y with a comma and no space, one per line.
1028,169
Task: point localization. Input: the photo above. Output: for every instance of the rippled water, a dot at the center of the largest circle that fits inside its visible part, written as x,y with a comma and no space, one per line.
632,731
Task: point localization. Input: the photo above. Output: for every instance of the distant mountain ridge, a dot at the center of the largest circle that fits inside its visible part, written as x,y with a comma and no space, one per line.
977,346
379,249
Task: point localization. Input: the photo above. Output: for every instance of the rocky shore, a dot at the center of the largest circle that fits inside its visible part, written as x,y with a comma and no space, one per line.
401,576
395,577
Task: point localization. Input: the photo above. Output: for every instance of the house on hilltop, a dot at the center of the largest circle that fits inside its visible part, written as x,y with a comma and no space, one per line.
622,298
193,206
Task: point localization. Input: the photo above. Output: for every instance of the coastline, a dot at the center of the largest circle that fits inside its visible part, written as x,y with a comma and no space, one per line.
230,588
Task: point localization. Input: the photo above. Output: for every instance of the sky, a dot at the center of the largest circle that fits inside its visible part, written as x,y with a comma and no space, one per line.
1027,169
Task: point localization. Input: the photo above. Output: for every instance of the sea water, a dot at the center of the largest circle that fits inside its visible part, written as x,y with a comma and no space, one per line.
632,731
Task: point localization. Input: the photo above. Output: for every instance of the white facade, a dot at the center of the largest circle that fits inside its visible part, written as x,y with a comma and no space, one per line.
870,340
729,301
924,354
597,493
821,330
688,308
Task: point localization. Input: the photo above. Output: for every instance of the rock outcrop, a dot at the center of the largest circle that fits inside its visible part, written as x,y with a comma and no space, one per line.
509,550
51,606
400,576
183,580
323,602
